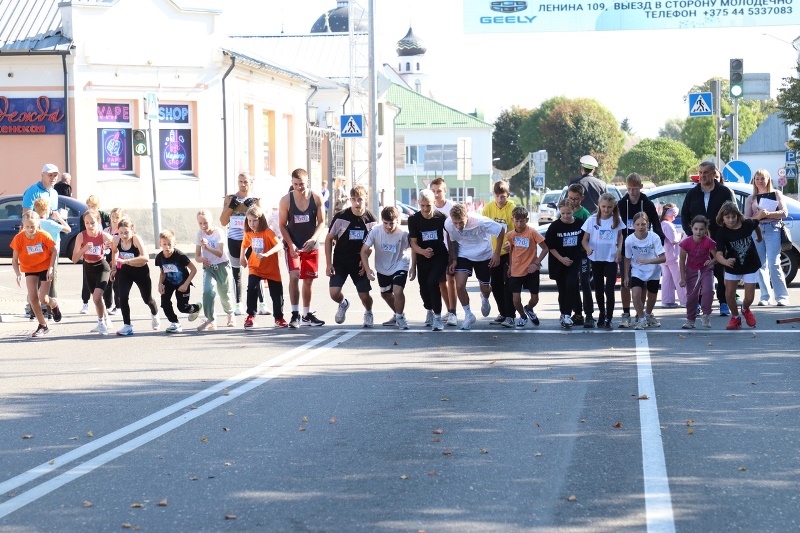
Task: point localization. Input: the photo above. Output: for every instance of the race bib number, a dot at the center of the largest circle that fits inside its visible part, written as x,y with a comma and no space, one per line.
237,222
430,235
391,248
642,251
630,223
605,235
95,250
570,240
522,242
170,268
35,248
356,235
126,255
468,233
301,219
258,245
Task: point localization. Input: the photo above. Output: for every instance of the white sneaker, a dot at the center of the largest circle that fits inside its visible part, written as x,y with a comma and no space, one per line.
85,309
522,322
155,323
486,307
402,323
109,325
508,322
429,317
391,322
640,324
652,322
452,319
262,309
238,310
193,316
174,327
469,320
706,321
566,322
101,328
341,312
113,311
437,323
96,327
368,319
625,321
127,329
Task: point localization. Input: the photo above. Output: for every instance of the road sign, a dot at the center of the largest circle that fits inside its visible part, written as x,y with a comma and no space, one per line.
352,125
782,172
737,171
782,181
151,106
791,159
791,173
538,181
700,105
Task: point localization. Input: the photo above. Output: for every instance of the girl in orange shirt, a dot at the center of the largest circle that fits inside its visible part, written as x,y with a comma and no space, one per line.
34,255
263,264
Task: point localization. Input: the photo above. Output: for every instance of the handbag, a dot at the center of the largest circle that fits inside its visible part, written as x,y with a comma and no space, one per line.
786,238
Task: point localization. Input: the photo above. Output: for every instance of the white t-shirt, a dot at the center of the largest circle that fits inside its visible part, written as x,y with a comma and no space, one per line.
648,248
445,209
602,238
392,250
213,239
475,240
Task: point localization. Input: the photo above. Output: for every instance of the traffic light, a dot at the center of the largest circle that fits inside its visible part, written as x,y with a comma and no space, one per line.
737,78
140,142
725,126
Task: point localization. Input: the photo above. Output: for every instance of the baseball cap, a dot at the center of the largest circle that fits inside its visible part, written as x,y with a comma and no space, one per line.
588,161
49,167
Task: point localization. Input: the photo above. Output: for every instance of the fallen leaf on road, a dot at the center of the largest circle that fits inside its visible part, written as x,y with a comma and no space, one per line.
301,428
572,377
89,433
162,503
27,436
432,473
192,407
493,363
332,420
536,425
643,397
537,454
137,505
436,439
395,343
583,421
73,438
227,464
230,517
226,429
690,431
87,503
203,439
437,431
52,462
304,420
535,389
484,450
742,468
690,422
710,344
447,452
618,425
444,399
193,478
682,337
572,498
127,526
230,414
405,476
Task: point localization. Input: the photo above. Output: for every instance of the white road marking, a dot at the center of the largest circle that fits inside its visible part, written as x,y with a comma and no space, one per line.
60,461
657,496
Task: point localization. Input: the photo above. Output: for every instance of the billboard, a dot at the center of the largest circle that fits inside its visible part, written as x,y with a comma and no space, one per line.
24,116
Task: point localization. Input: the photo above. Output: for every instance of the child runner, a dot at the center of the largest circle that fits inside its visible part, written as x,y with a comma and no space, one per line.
671,276
93,204
583,296
348,231
469,235
54,225
391,261
34,255
176,276
563,240
696,263
116,215
602,241
643,253
736,251
130,266
91,244
427,237
210,252
263,265
500,210
524,267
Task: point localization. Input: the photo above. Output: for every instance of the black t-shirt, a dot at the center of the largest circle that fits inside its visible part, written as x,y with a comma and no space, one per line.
174,266
429,232
350,231
566,240
739,243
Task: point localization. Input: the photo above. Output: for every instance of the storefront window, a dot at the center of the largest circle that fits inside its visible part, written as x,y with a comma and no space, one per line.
174,149
114,147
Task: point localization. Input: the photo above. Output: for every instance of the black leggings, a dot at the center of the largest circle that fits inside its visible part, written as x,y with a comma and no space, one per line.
430,272
605,280
254,291
567,284
126,277
235,250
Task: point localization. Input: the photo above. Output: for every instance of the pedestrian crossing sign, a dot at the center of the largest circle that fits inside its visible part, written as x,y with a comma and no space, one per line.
352,125
700,105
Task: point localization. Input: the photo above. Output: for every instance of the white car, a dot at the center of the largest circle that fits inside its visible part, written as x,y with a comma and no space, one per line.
547,211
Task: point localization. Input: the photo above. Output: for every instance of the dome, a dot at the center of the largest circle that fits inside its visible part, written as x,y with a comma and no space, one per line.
410,45
336,20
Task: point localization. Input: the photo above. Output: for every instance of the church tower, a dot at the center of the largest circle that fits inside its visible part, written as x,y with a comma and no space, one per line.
411,61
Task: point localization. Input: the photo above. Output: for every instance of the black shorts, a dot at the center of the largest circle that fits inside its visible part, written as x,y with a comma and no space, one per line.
343,272
482,270
530,282
651,285
398,279
41,275
96,275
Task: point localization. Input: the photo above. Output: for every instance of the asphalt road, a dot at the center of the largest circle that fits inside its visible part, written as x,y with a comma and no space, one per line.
348,429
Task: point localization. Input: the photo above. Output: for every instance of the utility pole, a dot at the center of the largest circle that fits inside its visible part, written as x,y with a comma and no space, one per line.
716,91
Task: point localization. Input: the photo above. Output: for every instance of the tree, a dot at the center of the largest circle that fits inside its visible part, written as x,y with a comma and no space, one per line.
789,104
575,128
698,133
506,147
663,160
672,129
625,126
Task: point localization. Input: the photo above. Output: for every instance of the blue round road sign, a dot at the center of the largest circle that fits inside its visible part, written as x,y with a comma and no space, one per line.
737,171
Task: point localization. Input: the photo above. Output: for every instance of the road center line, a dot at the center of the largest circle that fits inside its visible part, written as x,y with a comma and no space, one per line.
77,453
657,497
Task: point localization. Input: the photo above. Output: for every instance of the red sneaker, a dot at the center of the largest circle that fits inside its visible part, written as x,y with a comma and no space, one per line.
735,323
281,323
749,317
250,321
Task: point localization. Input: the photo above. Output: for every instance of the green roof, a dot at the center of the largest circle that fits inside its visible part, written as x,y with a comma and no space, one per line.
421,112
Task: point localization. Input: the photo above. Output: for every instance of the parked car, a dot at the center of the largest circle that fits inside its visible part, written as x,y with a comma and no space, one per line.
11,222
548,211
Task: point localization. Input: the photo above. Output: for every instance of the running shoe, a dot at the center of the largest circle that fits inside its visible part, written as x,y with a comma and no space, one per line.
57,314
294,321
589,323
522,322
607,325
96,327
238,310
429,317
469,320
281,323
262,309
706,321
652,321
452,319
84,309
577,319
689,324
626,321
531,315
208,325
749,318
763,303
108,323
566,322
437,323
113,310
369,319
249,322
499,319
508,323
734,323
102,328
155,323
231,321
41,331
174,327
391,322
342,311
783,302
311,320
486,307
640,324
402,323
126,330
724,310
194,314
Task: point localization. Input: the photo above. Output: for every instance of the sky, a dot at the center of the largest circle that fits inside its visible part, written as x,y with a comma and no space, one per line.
640,75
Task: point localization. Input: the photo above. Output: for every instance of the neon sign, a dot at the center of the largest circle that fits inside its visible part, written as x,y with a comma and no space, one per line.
21,116
176,149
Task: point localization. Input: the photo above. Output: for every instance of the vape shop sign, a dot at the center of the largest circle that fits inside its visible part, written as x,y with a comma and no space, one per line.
32,116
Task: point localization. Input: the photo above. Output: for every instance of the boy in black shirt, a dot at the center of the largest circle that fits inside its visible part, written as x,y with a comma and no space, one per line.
176,276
